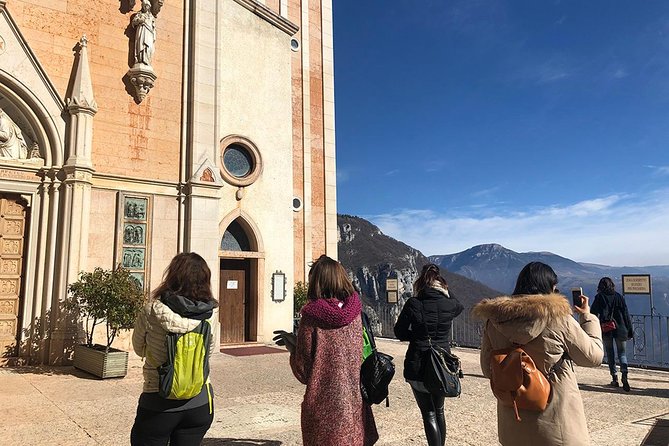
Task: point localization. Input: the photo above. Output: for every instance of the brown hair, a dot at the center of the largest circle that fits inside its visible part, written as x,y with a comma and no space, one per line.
189,276
429,275
327,279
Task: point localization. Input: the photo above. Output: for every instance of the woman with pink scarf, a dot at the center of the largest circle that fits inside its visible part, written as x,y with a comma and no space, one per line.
326,356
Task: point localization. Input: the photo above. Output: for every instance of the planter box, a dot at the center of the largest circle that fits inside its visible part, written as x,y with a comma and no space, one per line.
96,361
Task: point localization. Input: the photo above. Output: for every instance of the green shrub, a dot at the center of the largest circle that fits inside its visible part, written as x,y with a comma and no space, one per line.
110,296
300,296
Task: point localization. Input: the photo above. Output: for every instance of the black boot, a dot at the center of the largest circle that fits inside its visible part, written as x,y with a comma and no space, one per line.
614,382
626,385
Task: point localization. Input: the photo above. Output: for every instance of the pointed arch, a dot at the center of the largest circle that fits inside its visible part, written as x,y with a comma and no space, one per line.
245,221
33,93
39,119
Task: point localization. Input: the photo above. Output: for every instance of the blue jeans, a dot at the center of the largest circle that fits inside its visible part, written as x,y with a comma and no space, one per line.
610,356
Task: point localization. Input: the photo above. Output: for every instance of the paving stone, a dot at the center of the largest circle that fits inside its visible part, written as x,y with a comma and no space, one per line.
258,403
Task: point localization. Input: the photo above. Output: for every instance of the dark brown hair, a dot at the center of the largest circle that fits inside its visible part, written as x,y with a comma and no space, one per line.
327,279
189,276
606,286
536,278
428,275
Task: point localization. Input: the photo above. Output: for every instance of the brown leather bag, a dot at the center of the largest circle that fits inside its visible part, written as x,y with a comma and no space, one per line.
517,382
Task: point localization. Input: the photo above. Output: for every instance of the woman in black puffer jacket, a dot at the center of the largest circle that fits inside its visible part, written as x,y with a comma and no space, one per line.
429,314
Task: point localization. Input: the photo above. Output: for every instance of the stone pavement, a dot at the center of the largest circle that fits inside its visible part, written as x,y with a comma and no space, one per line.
258,403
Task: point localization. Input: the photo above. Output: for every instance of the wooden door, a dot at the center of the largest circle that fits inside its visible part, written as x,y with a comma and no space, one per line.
233,300
12,240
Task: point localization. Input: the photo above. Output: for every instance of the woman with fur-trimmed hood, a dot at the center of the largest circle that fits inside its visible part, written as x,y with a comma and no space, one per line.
540,320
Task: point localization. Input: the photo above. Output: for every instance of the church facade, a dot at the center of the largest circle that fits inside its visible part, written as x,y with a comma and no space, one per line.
132,130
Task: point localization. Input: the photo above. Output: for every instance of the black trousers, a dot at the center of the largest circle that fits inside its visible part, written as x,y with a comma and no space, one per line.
183,428
432,410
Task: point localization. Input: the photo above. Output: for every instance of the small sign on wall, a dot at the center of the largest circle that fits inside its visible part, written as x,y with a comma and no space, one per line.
278,286
232,284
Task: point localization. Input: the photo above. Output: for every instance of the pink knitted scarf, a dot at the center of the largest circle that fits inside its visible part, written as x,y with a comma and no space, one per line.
329,314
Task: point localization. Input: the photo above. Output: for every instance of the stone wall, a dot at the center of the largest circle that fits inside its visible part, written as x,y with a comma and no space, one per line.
129,139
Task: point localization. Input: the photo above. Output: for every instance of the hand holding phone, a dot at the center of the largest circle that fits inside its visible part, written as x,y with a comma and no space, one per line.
576,298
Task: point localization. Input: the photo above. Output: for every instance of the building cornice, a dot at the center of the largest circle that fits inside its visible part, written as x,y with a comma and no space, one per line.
270,16
119,182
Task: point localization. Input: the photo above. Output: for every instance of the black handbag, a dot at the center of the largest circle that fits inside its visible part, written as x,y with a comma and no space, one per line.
442,372
376,371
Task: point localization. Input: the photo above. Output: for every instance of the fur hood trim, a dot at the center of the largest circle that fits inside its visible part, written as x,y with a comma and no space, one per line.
542,307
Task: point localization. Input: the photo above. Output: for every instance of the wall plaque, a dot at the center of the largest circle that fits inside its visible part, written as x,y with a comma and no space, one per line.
134,235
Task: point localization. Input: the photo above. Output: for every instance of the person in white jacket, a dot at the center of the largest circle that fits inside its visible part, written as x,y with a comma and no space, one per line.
179,304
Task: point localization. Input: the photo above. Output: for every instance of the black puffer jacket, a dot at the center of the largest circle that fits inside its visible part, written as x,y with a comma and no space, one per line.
439,310
613,307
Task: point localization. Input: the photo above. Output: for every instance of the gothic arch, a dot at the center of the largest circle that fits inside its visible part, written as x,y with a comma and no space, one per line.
249,226
40,120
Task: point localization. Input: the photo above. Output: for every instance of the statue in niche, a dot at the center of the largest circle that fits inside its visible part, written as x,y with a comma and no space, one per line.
12,143
144,23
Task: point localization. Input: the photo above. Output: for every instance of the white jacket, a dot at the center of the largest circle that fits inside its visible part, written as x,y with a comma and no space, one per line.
148,339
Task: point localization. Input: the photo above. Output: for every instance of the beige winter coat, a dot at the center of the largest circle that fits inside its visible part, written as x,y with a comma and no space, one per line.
544,325
148,338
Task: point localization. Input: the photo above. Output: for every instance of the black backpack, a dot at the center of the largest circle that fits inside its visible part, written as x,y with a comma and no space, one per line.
376,372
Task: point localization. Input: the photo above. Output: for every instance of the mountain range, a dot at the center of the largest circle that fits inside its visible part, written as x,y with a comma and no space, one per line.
370,257
498,267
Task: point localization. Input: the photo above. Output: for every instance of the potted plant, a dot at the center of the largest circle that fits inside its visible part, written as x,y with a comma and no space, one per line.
112,297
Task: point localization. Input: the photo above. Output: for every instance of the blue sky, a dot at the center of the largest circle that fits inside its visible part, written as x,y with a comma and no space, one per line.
541,125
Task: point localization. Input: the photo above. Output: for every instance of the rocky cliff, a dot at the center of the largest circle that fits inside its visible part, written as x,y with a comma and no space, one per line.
371,257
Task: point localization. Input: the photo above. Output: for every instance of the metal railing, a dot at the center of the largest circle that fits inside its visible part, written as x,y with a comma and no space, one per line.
649,348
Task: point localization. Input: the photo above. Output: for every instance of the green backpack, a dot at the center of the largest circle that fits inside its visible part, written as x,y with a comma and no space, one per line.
367,348
186,370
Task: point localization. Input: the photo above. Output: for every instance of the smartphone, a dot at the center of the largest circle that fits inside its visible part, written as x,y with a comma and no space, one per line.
576,294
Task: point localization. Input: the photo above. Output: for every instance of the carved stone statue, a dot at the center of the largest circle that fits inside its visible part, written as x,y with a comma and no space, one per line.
144,23
12,143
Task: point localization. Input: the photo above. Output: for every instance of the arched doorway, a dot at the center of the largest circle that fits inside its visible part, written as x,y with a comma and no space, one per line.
240,258
13,229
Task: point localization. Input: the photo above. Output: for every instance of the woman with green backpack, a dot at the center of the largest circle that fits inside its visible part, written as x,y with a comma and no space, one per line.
176,404
326,356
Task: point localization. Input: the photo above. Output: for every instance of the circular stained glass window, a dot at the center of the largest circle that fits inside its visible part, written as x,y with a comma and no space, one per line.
238,161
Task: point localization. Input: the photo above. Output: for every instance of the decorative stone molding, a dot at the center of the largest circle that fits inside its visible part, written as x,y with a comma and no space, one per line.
82,108
272,17
207,172
81,99
143,79
29,96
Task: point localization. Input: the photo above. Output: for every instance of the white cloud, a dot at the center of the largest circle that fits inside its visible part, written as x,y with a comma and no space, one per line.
620,73
615,230
485,192
659,170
